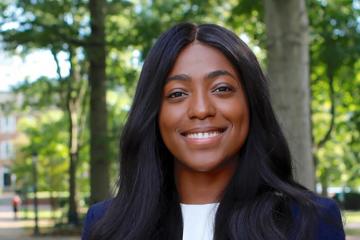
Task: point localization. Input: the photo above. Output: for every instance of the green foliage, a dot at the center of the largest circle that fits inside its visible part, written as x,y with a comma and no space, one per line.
39,94
119,103
43,138
335,54
43,24
247,17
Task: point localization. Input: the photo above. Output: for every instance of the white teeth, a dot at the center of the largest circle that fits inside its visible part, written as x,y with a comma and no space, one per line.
201,135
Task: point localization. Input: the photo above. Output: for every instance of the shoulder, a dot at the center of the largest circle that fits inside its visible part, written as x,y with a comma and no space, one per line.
330,221
94,214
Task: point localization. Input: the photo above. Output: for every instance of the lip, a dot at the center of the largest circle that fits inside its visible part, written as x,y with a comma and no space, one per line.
207,142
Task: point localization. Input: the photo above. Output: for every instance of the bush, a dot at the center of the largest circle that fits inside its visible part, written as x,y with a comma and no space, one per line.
348,201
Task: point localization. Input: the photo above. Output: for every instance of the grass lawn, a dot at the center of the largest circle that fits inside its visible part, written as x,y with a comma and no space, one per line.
51,223
42,214
57,214
352,216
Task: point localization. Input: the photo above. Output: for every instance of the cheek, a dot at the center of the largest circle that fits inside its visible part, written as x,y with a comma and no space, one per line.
169,120
242,123
242,119
237,114
235,111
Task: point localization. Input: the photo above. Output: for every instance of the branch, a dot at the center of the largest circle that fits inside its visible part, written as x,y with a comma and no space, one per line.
327,136
83,113
58,71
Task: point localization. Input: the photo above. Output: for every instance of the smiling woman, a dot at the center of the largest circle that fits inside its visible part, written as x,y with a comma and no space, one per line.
203,121
202,155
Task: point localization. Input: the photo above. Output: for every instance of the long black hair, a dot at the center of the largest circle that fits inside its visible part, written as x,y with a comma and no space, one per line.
262,196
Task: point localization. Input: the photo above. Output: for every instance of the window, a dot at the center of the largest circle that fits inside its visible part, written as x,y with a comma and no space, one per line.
6,150
7,124
7,179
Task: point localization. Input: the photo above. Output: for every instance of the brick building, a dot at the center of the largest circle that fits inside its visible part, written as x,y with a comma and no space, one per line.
8,136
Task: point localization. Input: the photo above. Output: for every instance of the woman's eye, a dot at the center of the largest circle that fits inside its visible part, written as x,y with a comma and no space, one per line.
223,89
176,94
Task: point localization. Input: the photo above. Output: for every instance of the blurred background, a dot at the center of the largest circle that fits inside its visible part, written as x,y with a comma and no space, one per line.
68,71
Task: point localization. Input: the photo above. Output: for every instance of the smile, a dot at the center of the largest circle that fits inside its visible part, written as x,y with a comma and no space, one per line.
202,135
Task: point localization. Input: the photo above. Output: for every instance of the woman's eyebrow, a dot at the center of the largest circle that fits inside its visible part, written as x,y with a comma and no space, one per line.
181,77
217,73
210,75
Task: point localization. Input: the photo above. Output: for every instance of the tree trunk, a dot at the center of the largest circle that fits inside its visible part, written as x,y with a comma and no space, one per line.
288,69
73,95
324,183
52,203
73,217
73,109
99,162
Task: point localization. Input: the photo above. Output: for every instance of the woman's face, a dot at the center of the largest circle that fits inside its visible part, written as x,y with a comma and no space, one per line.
204,117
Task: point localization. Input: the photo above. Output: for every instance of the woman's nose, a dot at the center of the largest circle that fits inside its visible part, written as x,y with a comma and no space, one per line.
201,106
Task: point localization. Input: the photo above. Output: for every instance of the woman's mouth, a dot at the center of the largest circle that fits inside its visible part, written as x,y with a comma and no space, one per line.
204,137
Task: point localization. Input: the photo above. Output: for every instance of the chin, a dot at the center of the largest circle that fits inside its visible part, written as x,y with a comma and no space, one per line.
204,169
208,166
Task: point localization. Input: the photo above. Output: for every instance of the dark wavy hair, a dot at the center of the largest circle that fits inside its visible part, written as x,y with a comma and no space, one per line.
260,200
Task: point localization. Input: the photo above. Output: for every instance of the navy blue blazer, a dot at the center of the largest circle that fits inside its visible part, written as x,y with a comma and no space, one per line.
325,231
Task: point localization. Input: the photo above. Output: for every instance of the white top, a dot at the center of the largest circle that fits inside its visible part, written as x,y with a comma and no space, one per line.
198,221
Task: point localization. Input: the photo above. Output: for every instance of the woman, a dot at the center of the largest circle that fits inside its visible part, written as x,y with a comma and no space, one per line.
202,155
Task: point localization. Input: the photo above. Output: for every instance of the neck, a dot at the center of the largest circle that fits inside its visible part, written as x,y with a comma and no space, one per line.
196,187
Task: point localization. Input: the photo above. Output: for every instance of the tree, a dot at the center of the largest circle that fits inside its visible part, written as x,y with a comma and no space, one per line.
43,135
54,26
154,17
334,83
99,162
288,70
75,97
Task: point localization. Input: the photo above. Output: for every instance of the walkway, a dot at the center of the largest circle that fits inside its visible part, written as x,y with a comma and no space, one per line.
11,229
355,226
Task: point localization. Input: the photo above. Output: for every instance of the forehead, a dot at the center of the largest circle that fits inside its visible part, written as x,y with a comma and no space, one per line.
200,58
